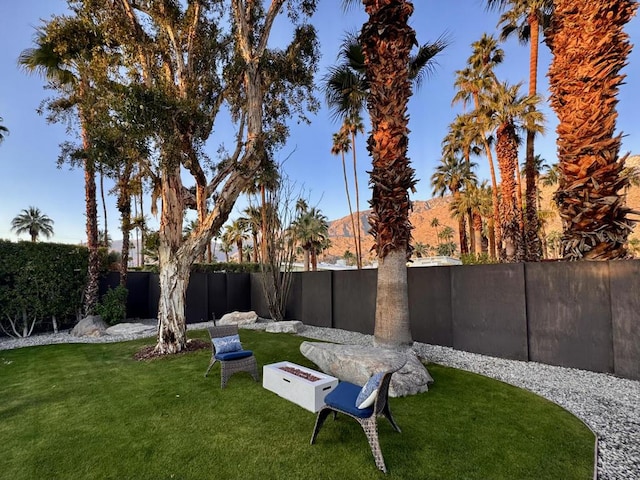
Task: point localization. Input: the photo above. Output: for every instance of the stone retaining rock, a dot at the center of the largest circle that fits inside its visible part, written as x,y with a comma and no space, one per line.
356,363
292,326
238,318
91,326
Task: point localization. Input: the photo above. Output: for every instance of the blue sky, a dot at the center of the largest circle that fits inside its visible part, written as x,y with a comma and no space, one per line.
29,175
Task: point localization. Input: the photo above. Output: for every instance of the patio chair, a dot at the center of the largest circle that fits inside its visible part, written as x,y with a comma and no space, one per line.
346,398
230,354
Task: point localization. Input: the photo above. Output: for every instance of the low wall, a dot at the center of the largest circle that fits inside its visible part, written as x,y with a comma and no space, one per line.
581,315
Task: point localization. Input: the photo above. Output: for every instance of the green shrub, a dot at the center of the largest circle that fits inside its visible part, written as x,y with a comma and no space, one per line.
476,259
113,305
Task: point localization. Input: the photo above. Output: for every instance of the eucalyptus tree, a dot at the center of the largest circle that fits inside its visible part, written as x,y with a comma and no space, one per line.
590,48
508,112
527,18
69,53
32,221
184,60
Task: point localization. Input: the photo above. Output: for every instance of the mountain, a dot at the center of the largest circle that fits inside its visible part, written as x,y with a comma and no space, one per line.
424,211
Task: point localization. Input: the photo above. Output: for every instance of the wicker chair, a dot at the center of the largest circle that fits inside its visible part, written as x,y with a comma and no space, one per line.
230,363
343,400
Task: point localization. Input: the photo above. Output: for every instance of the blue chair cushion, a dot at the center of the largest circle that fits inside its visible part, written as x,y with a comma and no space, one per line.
343,397
369,392
237,355
227,344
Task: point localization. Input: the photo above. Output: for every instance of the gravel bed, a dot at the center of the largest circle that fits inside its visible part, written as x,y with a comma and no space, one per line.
609,405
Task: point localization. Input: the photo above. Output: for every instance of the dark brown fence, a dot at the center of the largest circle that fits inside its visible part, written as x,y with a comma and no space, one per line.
584,315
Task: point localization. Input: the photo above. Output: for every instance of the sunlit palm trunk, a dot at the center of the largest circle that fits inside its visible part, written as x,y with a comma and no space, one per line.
507,152
353,221
589,49
387,40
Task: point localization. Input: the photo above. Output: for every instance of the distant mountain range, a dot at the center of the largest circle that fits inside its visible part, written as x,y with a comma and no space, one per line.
424,211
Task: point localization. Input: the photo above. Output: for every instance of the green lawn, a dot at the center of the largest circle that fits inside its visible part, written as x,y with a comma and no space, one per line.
89,411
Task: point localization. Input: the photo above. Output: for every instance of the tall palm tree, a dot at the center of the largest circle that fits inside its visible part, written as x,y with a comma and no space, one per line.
387,41
471,83
33,222
452,174
341,145
590,48
507,112
435,223
70,75
527,18
3,130
353,125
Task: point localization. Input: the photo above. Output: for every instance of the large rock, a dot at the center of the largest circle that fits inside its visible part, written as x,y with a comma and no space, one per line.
132,328
91,326
289,326
356,363
238,318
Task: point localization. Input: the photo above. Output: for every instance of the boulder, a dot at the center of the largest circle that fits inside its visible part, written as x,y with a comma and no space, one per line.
293,326
356,363
132,328
91,326
238,318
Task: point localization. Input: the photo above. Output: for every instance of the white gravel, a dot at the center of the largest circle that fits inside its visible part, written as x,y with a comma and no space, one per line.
609,405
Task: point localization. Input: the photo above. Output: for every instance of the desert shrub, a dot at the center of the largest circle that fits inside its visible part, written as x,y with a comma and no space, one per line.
113,305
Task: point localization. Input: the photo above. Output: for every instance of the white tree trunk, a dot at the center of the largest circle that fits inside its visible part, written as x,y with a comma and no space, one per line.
174,280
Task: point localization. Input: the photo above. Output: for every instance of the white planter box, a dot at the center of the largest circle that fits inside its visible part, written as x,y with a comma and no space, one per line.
309,395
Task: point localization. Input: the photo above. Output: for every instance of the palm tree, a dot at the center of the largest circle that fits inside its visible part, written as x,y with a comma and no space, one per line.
353,125
527,18
452,174
252,219
3,130
435,223
421,250
33,222
69,74
236,233
387,40
590,48
472,82
507,112
311,230
341,145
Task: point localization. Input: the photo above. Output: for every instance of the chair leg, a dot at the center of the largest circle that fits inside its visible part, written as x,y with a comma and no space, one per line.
223,375
322,416
387,413
254,370
370,427
211,363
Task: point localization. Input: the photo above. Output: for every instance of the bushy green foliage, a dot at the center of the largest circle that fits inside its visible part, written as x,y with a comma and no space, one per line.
476,259
113,305
40,281
229,267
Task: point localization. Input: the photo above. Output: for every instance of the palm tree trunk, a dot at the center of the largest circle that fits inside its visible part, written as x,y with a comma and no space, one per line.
353,222
386,61
104,208
531,222
355,179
